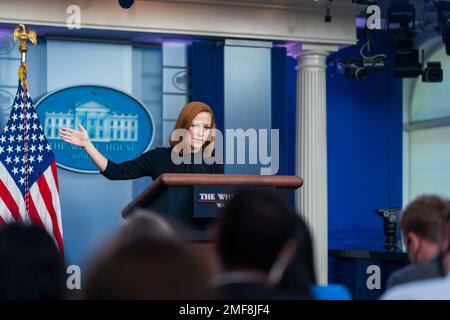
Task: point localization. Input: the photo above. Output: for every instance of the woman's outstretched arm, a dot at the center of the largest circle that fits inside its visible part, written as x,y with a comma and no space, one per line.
80,138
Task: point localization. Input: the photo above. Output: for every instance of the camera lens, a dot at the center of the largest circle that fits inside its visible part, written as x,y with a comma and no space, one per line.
361,74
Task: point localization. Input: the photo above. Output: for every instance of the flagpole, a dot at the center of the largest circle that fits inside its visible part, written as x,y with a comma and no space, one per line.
24,36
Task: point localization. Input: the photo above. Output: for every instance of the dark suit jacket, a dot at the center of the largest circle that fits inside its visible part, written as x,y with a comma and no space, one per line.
411,273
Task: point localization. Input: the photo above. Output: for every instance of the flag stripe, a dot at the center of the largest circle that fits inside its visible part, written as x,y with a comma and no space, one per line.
47,197
55,175
38,203
51,181
9,202
13,191
5,214
34,215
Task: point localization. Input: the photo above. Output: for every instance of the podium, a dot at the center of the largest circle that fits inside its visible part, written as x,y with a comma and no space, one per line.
193,200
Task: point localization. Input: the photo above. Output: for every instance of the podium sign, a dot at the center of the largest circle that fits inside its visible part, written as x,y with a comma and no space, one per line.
209,199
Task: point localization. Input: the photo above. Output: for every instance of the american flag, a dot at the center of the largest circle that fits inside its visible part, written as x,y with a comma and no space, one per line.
29,191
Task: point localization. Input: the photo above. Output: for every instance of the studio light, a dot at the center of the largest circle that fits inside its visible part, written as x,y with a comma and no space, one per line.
402,23
360,67
403,13
126,4
407,65
433,72
403,41
352,68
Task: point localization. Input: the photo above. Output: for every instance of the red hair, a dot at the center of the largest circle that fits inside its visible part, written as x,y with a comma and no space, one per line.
185,118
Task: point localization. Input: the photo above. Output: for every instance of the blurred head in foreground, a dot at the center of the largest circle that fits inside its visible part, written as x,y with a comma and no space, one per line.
422,224
147,261
148,269
256,233
30,264
446,246
143,223
300,276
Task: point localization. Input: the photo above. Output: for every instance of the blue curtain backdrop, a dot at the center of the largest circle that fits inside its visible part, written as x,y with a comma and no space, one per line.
207,77
364,148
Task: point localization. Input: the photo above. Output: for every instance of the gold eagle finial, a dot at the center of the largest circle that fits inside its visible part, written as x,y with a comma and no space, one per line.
23,36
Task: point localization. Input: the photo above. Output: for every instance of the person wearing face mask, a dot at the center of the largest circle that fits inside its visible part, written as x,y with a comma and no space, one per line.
191,148
422,224
255,242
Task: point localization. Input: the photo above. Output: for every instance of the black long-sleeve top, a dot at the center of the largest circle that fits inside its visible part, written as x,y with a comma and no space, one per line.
153,163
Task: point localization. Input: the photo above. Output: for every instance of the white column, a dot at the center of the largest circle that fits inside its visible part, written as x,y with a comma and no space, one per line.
311,151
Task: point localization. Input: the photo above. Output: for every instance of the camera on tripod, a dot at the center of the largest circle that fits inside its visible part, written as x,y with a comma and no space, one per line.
391,227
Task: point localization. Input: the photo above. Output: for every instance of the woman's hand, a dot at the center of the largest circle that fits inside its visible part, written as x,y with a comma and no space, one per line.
78,138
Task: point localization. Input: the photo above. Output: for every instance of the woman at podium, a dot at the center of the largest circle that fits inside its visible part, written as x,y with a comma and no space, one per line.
196,119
